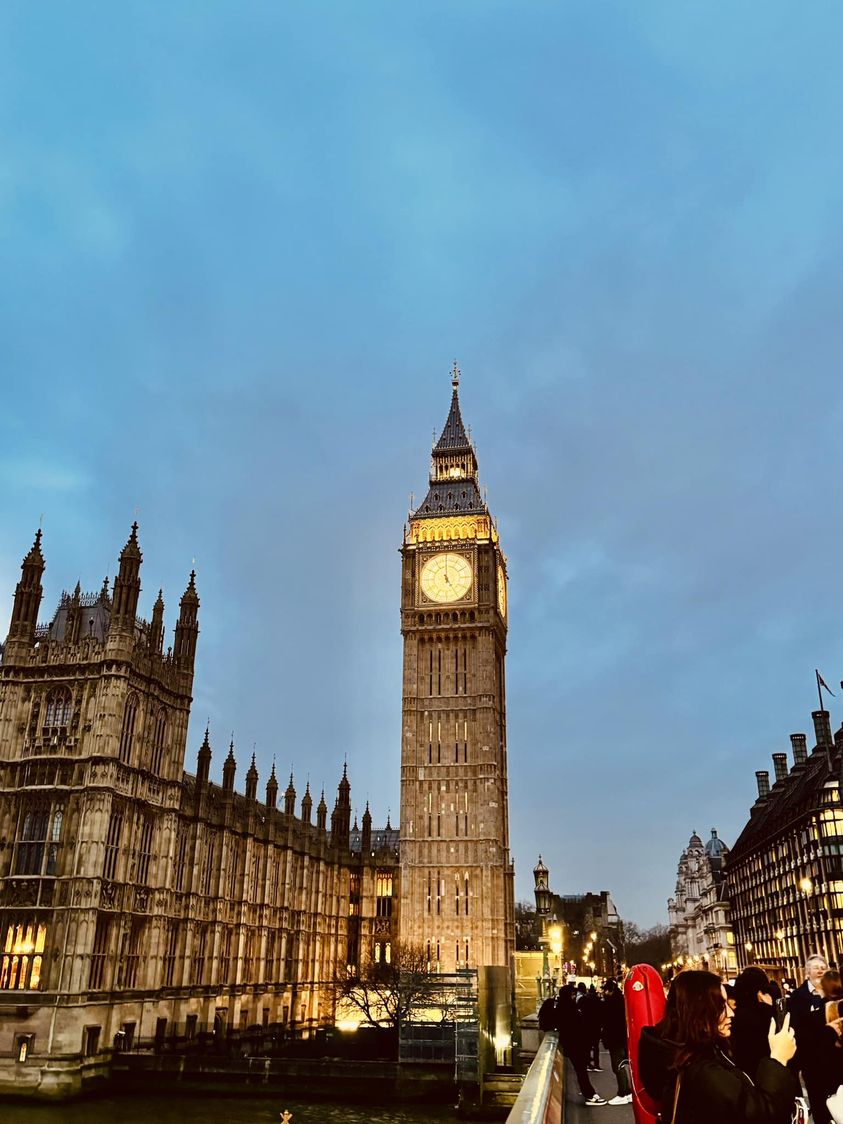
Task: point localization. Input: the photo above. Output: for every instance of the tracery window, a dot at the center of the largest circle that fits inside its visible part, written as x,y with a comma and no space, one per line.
39,833
57,712
23,951
147,831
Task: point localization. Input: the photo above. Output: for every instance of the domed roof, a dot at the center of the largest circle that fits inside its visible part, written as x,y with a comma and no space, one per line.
715,847
695,840
540,868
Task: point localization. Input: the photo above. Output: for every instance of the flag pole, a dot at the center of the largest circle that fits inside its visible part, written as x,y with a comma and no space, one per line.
820,684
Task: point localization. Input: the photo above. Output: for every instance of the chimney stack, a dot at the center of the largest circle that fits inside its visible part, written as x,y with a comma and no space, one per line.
763,778
780,765
799,742
822,728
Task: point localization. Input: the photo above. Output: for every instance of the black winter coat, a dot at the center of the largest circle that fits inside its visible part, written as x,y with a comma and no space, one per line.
714,1089
749,1039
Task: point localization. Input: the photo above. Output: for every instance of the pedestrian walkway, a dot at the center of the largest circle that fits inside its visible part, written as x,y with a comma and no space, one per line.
576,1112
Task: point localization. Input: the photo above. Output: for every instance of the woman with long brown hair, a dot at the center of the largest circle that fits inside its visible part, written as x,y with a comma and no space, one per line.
685,1061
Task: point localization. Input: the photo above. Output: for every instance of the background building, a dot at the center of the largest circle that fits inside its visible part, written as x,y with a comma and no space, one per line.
700,930
785,871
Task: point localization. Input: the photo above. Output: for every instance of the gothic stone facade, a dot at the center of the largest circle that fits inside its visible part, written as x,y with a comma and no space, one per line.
137,900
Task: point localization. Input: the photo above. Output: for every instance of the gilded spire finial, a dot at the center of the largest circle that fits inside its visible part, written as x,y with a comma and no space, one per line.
455,376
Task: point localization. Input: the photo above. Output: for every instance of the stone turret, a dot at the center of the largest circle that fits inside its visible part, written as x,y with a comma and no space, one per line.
252,781
156,625
187,626
290,798
127,588
366,838
203,761
322,813
28,593
272,789
229,768
306,804
341,816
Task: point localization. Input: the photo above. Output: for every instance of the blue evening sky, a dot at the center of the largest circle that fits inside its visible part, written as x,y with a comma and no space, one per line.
241,245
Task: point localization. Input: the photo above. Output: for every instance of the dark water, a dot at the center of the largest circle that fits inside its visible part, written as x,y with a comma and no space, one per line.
218,1110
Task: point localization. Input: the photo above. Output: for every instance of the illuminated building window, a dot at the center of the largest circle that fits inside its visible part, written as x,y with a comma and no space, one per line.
429,895
57,712
383,893
465,899
112,844
38,842
23,951
127,734
23,1046
159,741
354,896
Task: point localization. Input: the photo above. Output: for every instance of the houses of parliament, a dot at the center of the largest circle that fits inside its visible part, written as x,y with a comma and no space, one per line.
139,899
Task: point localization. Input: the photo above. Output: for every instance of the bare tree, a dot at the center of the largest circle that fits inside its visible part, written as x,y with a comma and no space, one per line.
386,993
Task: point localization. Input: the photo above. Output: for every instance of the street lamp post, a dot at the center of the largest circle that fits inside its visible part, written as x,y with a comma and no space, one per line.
543,899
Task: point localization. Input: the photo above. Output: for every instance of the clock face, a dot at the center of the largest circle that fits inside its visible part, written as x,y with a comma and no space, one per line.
501,591
446,577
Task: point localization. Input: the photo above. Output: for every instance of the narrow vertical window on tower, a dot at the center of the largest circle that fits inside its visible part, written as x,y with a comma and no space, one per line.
439,669
465,900
181,854
147,830
127,734
465,740
456,669
429,896
430,672
112,844
438,896
159,739
457,897
99,952
430,742
465,671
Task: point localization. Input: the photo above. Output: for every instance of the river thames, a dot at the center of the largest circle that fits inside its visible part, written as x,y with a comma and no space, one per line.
218,1110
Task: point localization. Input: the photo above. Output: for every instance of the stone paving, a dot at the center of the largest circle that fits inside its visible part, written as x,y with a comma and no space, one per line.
576,1112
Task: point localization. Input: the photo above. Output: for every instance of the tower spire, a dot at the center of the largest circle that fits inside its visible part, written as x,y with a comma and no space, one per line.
27,595
454,484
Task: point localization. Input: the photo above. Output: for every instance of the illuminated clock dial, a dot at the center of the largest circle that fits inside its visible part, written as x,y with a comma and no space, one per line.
501,591
446,577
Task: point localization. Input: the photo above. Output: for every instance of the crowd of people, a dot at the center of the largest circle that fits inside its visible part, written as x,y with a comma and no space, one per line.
584,1018
724,1053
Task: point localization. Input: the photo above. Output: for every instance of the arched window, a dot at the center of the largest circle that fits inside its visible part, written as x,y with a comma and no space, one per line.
127,734
159,741
57,712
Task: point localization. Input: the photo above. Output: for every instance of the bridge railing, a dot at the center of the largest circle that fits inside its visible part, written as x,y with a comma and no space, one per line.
541,1096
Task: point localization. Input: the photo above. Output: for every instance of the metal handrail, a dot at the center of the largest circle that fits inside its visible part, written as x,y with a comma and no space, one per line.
543,1086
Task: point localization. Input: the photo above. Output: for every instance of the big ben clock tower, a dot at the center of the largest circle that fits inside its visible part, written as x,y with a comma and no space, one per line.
456,875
